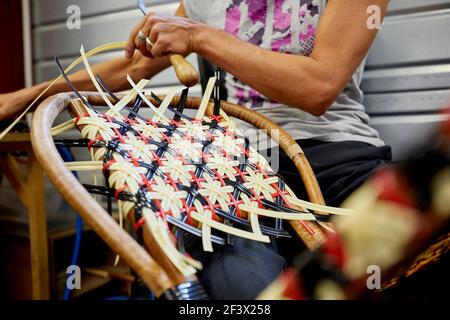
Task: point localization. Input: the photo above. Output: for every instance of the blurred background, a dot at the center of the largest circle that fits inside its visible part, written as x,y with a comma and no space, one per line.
406,85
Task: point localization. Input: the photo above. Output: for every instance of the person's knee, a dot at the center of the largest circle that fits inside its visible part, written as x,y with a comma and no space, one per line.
241,271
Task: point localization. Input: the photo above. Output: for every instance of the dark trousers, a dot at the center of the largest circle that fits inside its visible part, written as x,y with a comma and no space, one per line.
243,270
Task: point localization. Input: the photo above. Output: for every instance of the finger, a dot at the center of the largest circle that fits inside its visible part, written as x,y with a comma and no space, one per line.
150,22
153,20
148,47
140,42
159,48
154,33
130,46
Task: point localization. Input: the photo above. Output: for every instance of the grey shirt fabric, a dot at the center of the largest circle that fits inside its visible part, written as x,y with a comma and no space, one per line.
287,26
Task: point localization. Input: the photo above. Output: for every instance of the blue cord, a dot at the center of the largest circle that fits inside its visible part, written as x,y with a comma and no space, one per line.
68,157
76,251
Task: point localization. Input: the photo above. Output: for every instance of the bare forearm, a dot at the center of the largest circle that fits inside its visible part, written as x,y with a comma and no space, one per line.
294,80
112,72
309,83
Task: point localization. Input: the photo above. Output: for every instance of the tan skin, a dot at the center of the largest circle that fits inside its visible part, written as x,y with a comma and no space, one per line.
309,83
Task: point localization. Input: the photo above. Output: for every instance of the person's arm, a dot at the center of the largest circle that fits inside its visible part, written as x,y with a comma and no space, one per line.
113,72
309,83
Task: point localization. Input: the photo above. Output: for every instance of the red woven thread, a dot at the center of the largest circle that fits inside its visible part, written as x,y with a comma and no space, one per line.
78,117
232,202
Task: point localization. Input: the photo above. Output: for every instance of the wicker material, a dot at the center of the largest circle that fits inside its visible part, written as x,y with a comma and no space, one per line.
175,174
84,203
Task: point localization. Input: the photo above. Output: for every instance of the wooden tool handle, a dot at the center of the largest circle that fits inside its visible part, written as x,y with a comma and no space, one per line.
184,70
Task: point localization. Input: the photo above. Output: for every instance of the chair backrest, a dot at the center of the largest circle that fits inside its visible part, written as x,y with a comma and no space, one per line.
407,77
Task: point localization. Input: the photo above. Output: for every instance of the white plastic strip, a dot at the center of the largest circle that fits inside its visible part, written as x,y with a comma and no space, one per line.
93,79
276,214
228,229
84,165
144,98
129,96
317,207
63,127
102,48
206,97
